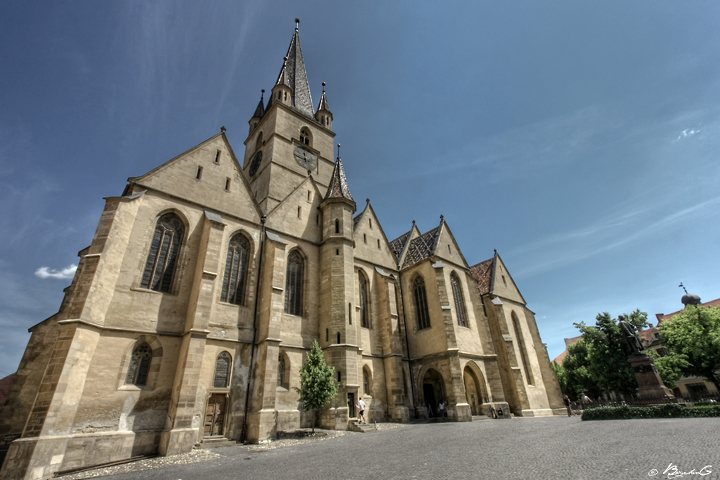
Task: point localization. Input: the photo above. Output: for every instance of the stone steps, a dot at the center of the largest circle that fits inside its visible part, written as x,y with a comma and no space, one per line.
215,442
356,426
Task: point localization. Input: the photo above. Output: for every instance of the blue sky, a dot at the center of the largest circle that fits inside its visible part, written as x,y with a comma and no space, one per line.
579,139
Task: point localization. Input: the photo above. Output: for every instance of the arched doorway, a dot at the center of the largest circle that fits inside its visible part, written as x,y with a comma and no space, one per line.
433,388
473,390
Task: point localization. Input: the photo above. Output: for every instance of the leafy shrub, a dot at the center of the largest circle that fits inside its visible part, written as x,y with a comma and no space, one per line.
668,410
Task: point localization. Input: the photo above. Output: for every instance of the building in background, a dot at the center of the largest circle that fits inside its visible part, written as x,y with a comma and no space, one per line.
210,277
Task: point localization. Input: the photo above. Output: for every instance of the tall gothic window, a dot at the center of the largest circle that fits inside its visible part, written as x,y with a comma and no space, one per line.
459,300
521,346
163,255
294,284
281,371
421,307
366,381
222,370
139,365
364,314
235,271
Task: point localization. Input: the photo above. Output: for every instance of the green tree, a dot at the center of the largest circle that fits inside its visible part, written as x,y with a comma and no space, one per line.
317,382
578,379
669,367
694,334
597,364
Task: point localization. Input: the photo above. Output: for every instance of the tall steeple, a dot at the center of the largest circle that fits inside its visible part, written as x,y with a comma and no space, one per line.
293,75
323,115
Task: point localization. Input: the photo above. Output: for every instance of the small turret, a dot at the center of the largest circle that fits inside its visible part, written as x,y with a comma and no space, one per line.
259,113
282,91
323,115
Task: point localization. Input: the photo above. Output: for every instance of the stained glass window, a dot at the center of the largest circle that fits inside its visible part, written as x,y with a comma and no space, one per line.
139,365
233,290
459,300
421,307
163,254
294,284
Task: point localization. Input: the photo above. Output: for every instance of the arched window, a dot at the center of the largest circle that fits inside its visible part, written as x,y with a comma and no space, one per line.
294,284
139,365
233,289
364,311
222,370
281,371
459,300
366,382
163,254
305,138
421,307
521,347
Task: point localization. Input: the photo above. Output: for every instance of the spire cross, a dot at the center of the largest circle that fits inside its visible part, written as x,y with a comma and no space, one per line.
338,151
297,24
323,87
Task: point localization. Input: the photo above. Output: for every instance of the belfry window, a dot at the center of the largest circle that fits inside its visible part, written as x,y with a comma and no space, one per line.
233,290
294,284
222,370
139,365
364,315
459,300
163,255
305,138
421,307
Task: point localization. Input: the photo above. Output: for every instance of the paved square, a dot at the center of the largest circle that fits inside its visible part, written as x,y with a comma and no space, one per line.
521,448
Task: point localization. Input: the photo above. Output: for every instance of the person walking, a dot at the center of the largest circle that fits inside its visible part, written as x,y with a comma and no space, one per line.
361,416
566,399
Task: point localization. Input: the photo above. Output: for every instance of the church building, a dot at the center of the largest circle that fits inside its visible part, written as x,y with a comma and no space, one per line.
209,279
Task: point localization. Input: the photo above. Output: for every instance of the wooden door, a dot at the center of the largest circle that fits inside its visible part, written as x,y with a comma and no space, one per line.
215,415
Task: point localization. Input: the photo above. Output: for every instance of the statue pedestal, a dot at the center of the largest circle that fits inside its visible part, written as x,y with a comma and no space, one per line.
650,385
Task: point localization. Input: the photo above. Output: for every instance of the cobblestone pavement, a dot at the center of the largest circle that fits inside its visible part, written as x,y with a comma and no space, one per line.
520,448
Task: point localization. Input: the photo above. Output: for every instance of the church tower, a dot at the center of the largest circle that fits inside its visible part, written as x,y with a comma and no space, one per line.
339,337
288,140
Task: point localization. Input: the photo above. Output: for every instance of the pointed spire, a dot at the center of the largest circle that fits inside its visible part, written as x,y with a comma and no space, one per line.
294,76
338,187
260,110
323,105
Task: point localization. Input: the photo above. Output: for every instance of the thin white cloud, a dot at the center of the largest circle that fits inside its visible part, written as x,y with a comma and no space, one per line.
64,274
688,132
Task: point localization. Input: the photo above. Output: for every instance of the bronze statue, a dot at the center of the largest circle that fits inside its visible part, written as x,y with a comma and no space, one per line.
631,338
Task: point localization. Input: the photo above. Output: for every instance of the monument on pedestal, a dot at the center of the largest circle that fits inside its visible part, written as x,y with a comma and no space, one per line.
650,385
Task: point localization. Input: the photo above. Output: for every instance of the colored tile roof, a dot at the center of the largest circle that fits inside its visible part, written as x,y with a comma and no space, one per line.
662,317
482,272
398,245
421,247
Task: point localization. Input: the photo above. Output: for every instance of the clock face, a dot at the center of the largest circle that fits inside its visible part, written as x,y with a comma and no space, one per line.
305,158
255,163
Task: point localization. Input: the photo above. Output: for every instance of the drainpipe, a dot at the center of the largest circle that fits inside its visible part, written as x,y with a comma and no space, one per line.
407,343
243,434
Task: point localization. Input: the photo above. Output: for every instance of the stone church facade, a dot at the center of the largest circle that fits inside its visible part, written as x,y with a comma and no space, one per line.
207,282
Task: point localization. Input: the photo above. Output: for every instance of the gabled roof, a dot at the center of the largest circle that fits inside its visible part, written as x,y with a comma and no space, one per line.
483,273
661,317
338,187
294,76
421,247
397,246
